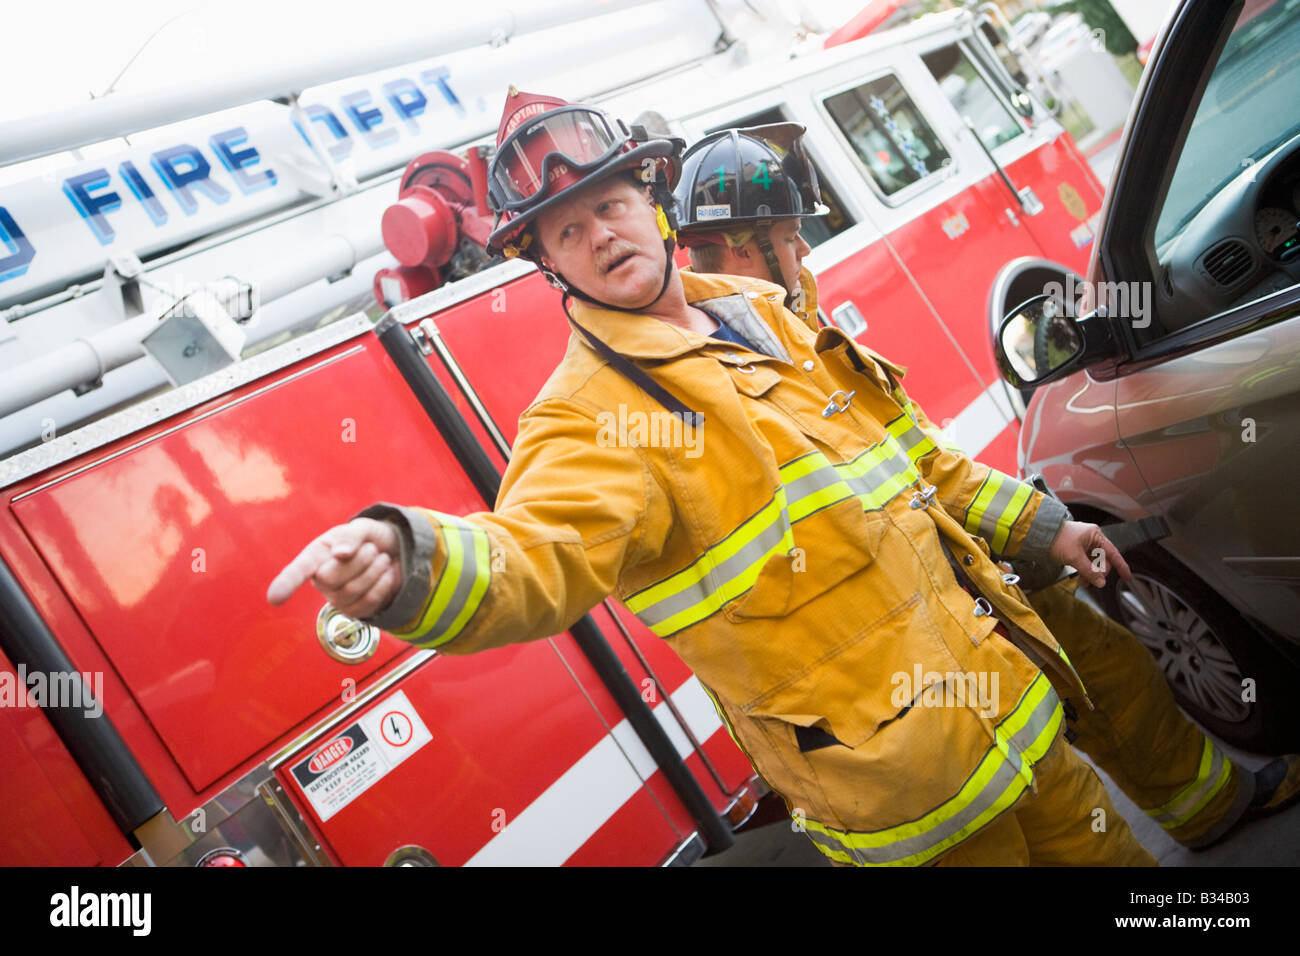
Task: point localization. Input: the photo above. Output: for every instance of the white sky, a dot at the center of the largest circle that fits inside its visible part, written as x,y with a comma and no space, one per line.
60,51
57,52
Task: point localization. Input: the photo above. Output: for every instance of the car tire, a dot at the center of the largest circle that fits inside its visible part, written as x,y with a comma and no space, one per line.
1206,650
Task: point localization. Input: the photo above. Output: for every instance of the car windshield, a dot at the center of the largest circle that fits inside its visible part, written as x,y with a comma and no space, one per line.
1248,110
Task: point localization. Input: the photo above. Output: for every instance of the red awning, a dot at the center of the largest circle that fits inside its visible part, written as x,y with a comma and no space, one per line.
864,21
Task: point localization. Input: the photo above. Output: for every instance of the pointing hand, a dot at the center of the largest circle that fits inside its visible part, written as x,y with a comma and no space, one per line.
357,566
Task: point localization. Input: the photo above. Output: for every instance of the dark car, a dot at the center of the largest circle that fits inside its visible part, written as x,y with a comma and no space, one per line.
1168,384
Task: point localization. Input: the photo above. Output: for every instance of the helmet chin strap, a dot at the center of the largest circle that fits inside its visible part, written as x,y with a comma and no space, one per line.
667,230
623,365
763,236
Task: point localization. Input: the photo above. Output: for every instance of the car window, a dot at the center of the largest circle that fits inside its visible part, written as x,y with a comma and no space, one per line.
1249,108
970,94
888,133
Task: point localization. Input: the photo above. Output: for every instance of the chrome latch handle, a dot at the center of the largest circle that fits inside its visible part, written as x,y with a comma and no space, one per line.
923,499
838,405
345,639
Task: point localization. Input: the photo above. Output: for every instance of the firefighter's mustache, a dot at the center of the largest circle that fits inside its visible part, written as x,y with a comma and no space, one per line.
615,255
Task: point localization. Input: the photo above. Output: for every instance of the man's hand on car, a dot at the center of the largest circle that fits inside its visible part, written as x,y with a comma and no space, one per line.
357,566
1086,549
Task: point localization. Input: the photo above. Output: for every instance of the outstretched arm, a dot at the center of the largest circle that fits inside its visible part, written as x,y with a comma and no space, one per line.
572,514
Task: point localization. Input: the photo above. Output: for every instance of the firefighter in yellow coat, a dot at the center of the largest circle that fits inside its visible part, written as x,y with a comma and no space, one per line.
1165,764
798,539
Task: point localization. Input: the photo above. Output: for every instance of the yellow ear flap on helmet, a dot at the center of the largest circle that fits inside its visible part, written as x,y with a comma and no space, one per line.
665,231
510,249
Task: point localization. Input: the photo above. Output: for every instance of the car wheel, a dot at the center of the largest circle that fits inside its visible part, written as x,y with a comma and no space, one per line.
1207,653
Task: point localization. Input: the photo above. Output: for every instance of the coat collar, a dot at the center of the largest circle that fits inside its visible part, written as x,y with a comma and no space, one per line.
644,337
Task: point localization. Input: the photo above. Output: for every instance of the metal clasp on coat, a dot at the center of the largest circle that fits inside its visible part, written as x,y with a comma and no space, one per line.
1010,580
982,607
925,498
835,405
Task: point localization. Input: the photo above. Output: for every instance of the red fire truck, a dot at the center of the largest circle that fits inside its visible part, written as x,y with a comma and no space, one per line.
198,379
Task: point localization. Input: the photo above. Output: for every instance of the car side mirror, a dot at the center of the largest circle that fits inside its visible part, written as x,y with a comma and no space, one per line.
1040,341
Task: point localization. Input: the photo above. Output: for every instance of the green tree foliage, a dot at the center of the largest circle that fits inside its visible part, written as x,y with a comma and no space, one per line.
1100,15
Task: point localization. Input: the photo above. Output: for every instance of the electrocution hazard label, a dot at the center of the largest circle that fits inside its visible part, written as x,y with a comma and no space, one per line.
356,758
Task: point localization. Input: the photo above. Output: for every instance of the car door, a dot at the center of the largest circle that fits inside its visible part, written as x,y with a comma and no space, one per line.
1200,262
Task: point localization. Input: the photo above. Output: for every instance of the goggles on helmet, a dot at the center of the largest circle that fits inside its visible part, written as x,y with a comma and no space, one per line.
550,152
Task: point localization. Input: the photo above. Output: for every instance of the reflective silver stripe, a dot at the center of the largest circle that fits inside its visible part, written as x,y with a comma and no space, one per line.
461,585
702,588
813,482
914,441
1003,773
988,519
468,576
716,580
1192,799
1001,787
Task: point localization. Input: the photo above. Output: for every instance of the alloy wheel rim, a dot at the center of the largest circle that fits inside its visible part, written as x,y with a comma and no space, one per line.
1195,662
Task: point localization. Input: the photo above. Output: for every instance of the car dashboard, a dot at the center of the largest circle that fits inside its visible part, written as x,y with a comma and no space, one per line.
1244,243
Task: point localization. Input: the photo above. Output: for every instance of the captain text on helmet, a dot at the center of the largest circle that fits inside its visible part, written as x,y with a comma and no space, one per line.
795,567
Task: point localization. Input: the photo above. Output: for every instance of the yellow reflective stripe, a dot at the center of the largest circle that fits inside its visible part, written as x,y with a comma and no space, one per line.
998,504
911,436
989,488
729,568
714,600
882,494
1202,771
447,582
819,499
711,558
1212,774
1220,782
803,466
869,459
900,426
1008,517
461,585
904,402
1005,800
1060,652
1003,774
482,577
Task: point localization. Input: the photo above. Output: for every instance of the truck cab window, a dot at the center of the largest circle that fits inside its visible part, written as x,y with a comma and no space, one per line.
888,133
971,95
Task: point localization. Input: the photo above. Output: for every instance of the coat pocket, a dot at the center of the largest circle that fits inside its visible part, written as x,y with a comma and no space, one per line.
864,685
829,545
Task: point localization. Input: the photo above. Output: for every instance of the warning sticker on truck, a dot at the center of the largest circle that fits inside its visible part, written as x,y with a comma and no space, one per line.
356,758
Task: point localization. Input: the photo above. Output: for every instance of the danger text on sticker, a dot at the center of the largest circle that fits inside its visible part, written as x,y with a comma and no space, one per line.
331,752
